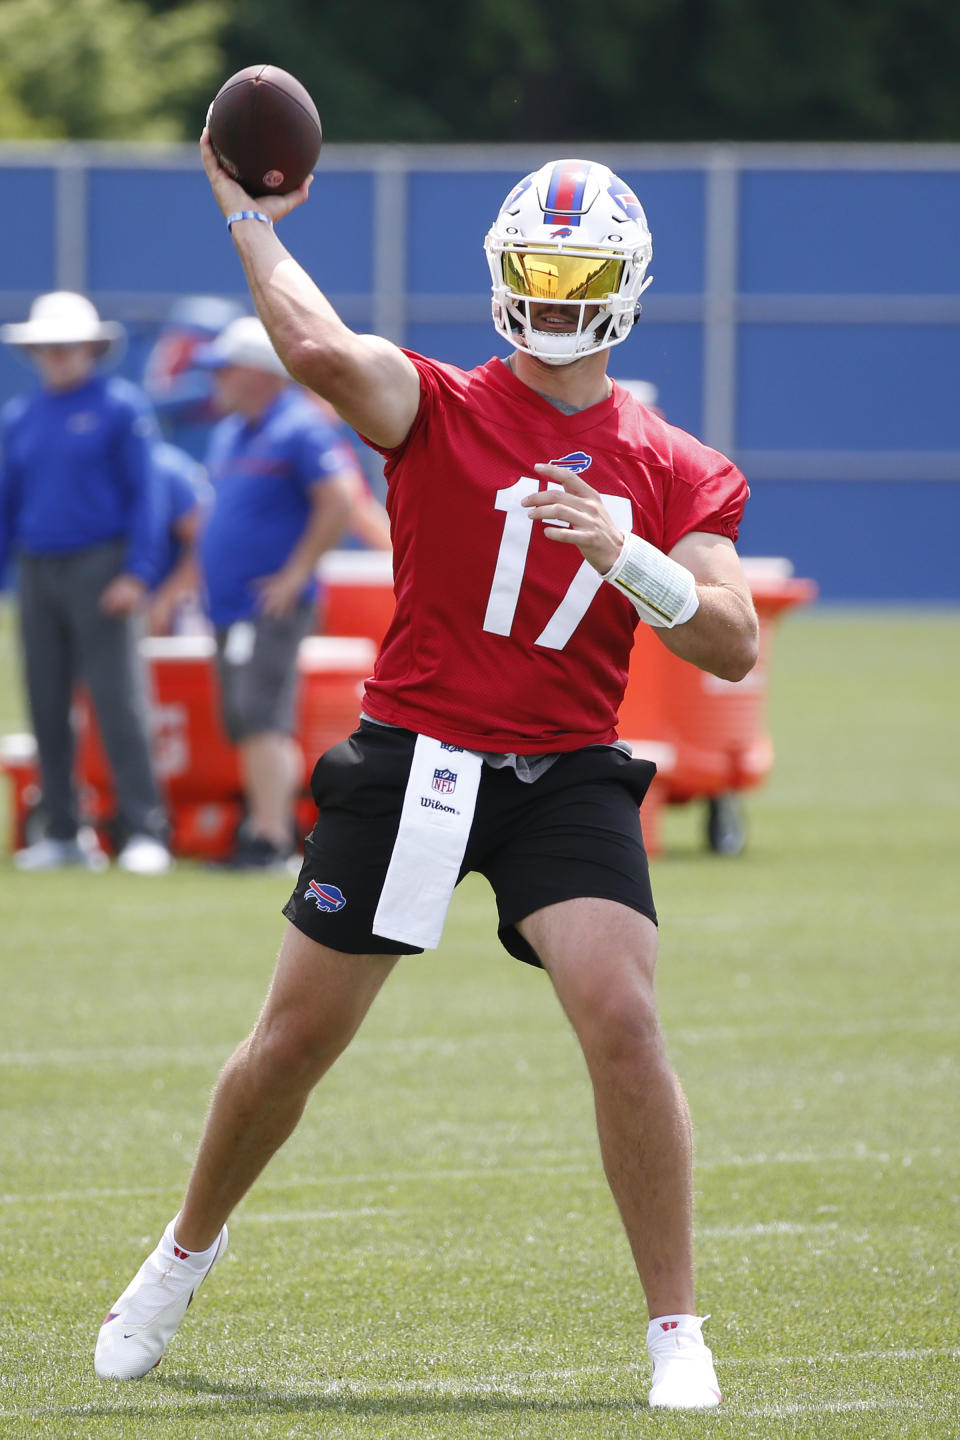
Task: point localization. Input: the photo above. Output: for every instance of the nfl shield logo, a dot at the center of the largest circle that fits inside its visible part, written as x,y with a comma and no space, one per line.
445,781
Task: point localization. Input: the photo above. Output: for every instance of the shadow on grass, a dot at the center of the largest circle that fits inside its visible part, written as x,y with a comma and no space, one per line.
260,1400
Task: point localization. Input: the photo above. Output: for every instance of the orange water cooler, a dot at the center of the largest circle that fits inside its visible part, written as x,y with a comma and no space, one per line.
708,737
197,766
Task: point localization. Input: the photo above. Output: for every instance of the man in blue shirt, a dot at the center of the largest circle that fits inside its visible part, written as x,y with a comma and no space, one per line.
281,499
186,497
79,517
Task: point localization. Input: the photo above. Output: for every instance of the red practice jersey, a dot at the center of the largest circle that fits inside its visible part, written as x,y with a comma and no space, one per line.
504,639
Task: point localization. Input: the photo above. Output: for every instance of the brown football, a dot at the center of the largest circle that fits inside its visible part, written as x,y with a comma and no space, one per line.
265,130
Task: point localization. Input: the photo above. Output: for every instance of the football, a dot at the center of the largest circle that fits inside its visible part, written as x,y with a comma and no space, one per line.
265,130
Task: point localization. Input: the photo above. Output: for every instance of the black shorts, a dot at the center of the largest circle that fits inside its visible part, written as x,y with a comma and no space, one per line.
572,833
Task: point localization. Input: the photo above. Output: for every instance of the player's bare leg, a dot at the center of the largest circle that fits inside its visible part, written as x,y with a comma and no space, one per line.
315,1004
601,957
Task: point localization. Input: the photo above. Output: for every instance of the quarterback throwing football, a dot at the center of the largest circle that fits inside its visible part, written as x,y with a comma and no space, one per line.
538,514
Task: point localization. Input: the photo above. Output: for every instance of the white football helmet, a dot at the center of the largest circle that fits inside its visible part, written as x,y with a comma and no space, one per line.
573,235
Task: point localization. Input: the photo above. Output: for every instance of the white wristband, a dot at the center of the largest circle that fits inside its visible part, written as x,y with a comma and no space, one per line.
248,215
663,592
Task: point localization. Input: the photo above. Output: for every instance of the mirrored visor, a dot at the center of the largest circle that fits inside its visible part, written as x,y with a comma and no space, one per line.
545,275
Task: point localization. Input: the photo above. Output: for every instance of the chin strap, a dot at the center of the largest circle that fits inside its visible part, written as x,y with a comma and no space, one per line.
661,591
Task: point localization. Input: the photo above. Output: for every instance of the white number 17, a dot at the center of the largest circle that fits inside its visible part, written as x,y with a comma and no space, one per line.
512,557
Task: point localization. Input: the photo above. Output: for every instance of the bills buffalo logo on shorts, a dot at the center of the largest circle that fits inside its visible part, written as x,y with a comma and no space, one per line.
445,781
327,897
577,461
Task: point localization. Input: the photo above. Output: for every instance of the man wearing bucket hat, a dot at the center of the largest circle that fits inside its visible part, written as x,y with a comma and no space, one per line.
282,496
79,515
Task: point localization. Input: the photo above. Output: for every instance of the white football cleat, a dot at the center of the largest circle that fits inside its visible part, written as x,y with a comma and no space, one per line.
140,1325
683,1373
83,852
143,855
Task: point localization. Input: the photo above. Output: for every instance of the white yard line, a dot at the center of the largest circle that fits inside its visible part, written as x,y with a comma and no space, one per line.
293,1217
142,1056
493,1171
527,1384
771,1227
828,1407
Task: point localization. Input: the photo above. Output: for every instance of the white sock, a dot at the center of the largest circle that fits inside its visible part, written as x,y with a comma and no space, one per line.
196,1259
664,1324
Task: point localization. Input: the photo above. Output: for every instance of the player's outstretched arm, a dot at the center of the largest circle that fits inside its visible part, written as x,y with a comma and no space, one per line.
368,380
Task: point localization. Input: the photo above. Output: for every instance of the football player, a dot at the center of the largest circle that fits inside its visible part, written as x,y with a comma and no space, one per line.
539,513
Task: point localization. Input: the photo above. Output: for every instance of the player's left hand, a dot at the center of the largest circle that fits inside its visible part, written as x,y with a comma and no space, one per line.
588,524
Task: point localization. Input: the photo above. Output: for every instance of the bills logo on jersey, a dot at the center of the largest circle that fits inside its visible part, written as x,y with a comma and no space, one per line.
327,897
577,461
445,781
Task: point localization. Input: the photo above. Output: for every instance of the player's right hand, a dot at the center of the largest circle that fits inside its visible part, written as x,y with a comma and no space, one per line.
585,518
231,196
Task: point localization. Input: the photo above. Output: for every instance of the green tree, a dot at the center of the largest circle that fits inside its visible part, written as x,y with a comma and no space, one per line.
614,69
107,69
832,69
482,70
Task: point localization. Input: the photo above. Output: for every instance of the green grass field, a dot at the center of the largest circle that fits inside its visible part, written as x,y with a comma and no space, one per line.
435,1253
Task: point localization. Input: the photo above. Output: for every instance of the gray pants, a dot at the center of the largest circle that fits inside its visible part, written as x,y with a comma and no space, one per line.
258,685
66,637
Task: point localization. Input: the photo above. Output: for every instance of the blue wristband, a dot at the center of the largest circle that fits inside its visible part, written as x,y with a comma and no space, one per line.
248,215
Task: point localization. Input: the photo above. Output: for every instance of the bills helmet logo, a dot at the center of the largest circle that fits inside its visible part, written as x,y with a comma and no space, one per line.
445,781
327,897
627,202
517,191
577,461
562,233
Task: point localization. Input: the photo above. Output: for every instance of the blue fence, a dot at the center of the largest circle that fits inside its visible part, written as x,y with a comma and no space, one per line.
805,314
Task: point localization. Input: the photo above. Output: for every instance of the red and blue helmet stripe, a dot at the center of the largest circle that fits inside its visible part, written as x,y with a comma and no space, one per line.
565,191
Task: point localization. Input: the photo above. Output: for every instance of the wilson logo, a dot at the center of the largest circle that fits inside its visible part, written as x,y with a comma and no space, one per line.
429,803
